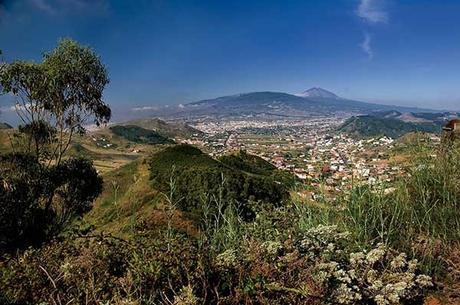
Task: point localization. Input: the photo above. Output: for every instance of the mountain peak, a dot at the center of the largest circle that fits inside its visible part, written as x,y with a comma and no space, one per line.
318,92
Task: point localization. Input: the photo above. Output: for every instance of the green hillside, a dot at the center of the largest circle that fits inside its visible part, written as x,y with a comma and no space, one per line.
255,165
195,173
170,130
135,192
141,135
371,126
128,201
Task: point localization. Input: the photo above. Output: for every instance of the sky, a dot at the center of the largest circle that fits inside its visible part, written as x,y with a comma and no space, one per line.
162,52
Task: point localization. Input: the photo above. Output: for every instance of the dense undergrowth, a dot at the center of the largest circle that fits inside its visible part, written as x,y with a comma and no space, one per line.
370,247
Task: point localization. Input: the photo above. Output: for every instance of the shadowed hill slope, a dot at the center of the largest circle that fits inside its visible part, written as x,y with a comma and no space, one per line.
371,126
256,165
141,135
194,173
166,129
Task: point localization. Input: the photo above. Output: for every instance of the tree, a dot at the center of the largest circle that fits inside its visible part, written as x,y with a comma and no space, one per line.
40,192
56,97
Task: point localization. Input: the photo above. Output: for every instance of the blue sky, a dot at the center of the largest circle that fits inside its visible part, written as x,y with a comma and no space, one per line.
168,52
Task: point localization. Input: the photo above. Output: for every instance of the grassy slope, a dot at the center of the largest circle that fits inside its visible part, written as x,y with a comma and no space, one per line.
129,202
255,165
371,126
130,198
5,143
90,145
121,151
140,135
171,130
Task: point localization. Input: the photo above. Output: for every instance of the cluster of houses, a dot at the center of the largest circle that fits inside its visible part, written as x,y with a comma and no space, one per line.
337,162
334,162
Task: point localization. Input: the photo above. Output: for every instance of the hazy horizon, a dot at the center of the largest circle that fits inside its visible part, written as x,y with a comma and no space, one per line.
171,52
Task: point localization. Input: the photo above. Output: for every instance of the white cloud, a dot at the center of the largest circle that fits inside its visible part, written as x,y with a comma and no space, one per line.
11,108
66,6
43,5
366,45
144,108
372,11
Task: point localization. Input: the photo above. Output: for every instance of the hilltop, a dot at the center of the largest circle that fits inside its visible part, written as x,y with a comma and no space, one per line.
136,191
317,92
372,126
166,129
140,135
108,147
195,173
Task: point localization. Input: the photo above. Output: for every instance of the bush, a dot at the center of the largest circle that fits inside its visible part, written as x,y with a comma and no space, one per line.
38,201
81,271
23,185
313,266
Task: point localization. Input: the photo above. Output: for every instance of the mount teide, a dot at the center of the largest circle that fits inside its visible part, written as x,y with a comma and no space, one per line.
317,92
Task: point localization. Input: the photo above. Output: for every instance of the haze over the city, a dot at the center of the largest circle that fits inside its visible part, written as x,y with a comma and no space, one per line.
170,52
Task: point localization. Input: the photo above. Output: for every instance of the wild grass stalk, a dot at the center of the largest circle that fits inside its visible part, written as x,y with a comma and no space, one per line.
421,216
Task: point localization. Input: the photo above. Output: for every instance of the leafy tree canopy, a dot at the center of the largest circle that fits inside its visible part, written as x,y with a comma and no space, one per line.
64,90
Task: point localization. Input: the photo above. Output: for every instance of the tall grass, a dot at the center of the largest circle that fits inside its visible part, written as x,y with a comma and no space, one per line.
221,224
421,216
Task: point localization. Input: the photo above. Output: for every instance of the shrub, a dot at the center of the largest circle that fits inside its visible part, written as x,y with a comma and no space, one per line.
22,186
38,201
313,266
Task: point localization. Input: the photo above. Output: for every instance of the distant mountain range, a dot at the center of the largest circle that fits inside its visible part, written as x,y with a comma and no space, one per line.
314,101
5,125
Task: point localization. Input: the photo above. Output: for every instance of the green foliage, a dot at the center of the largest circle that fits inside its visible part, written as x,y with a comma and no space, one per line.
37,202
255,165
313,266
425,206
39,134
200,179
76,79
58,93
166,129
77,184
21,190
140,135
372,126
81,271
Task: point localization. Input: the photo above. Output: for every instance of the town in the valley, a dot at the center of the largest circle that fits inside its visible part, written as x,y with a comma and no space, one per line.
312,149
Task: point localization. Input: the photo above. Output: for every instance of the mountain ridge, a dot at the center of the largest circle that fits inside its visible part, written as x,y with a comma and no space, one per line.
270,104
269,101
